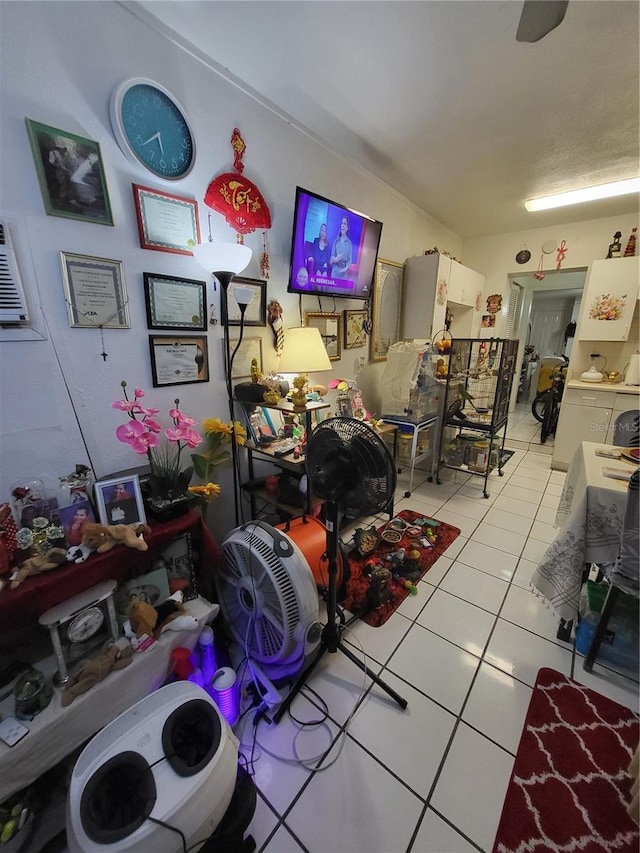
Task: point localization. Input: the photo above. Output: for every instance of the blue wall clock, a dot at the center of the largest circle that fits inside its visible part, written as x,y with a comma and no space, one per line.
152,129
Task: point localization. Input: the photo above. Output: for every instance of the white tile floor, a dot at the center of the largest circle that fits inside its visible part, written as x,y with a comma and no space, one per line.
465,654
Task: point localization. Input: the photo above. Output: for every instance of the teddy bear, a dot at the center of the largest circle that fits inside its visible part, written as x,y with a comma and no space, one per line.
103,537
144,618
114,656
35,565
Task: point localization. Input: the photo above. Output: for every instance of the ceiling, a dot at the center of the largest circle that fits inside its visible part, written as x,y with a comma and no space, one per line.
438,99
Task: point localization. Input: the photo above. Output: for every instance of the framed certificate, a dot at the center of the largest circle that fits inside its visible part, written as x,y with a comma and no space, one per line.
95,292
178,360
249,349
166,222
174,303
256,311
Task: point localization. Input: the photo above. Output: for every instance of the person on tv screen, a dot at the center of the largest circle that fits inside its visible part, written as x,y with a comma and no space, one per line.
320,253
341,251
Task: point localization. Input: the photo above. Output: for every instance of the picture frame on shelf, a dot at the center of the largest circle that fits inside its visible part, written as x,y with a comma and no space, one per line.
166,222
45,508
260,424
249,349
179,561
178,359
330,327
386,305
175,303
355,323
151,587
95,292
73,519
70,173
256,311
119,500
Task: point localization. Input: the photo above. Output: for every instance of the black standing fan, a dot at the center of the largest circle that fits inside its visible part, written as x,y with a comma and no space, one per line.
351,469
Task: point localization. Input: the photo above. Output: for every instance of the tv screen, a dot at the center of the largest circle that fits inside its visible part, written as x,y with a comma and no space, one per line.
333,250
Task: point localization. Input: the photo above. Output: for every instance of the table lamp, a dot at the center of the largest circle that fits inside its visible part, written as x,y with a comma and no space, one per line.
304,352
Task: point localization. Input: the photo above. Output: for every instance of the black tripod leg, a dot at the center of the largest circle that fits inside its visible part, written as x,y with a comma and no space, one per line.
297,684
396,696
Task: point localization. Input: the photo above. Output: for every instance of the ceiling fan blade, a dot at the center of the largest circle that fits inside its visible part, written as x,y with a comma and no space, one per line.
539,17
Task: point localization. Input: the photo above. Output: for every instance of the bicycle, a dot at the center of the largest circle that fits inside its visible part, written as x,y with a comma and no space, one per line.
545,407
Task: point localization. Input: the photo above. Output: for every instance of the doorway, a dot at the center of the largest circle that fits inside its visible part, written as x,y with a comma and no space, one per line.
554,294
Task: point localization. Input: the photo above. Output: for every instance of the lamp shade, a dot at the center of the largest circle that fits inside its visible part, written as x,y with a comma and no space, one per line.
242,294
304,352
222,257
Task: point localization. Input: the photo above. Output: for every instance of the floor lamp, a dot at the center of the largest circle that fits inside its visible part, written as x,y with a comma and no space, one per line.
224,261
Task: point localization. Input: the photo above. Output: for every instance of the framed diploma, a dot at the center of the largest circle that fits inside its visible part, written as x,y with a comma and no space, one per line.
249,349
166,222
178,360
174,303
95,292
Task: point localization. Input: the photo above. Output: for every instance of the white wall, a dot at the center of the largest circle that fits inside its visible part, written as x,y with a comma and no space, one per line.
494,256
60,62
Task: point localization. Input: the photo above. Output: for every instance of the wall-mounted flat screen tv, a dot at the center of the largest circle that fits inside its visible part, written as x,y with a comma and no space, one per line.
333,249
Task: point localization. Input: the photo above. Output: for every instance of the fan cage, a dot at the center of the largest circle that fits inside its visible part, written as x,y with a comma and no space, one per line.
253,572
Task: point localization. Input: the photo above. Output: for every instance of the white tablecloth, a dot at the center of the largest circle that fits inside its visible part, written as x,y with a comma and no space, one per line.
590,516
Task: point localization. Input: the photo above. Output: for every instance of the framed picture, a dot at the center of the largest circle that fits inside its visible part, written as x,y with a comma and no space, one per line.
175,303
95,292
151,587
330,327
73,519
45,508
166,222
385,308
178,559
260,424
249,349
178,360
119,501
70,173
354,329
256,311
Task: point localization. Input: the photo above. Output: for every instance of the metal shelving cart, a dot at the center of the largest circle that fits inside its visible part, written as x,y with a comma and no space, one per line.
476,406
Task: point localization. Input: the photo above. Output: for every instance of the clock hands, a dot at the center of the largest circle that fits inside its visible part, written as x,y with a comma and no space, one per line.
159,138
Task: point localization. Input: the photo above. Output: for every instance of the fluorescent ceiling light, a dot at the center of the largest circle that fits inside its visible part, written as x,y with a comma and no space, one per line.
632,185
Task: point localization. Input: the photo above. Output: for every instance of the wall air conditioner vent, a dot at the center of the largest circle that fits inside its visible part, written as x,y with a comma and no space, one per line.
13,305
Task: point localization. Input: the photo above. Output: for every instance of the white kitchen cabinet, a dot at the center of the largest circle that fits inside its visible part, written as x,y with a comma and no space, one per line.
610,296
432,281
587,414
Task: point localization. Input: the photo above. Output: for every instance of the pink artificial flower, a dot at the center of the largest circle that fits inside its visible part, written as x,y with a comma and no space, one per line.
151,425
129,432
186,420
123,405
176,414
176,434
193,439
138,392
150,412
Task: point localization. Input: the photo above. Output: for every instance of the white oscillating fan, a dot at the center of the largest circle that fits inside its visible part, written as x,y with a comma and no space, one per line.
268,597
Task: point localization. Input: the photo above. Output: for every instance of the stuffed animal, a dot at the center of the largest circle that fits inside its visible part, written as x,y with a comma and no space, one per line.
35,565
78,553
114,656
144,618
103,537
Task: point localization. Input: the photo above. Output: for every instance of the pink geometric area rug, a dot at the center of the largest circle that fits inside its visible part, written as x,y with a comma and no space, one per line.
569,788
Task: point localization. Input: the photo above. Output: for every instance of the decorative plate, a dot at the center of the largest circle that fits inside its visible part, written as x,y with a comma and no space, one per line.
631,453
